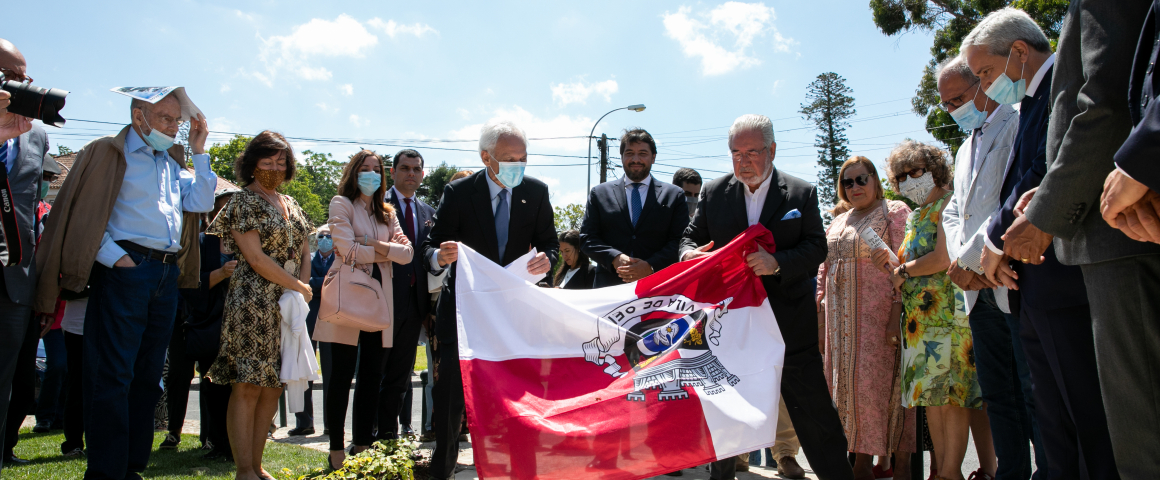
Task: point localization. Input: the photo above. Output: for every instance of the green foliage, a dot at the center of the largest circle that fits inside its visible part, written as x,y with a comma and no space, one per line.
950,21
315,181
431,190
829,106
62,150
301,189
569,217
223,155
384,460
325,173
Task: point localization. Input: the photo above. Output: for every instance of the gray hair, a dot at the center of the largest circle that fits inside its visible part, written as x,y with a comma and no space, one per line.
496,128
753,121
955,66
1001,28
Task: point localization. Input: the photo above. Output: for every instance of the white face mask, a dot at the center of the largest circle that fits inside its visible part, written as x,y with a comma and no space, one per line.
917,189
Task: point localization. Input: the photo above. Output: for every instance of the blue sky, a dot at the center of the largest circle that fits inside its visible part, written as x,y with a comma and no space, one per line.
428,74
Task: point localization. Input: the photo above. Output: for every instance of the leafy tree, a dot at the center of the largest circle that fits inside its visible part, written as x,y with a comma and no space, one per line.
950,21
828,106
312,187
62,150
301,189
431,189
569,217
223,155
325,172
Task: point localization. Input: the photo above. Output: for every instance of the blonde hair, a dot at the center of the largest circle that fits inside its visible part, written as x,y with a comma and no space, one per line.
870,168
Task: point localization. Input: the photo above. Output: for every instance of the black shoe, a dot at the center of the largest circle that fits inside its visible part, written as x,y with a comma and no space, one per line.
42,427
222,455
326,431
12,459
301,431
428,436
674,474
407,430
75,453
170,442
330,466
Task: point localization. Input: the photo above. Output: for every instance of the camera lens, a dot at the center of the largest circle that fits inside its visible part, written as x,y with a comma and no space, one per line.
43,104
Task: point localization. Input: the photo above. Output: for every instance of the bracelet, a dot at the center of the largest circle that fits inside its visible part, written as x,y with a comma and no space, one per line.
364,240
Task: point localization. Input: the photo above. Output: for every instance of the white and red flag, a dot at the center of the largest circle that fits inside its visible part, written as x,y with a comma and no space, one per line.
679,369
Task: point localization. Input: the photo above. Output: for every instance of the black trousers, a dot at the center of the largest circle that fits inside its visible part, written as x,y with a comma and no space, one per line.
177,379
1126,320
400,363
14,321
1065,383
448,412
23,386
74,406
215,401
369,355
815,419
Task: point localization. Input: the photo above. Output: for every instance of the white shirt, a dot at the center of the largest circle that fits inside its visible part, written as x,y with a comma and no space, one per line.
756,199
643,189
568,276
403,207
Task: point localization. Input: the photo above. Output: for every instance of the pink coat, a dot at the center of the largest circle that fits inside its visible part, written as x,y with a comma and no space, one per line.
348,223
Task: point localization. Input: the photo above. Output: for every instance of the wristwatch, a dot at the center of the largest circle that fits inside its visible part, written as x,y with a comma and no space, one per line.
902,272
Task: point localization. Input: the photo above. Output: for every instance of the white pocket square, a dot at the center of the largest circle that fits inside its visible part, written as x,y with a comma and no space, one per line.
792,214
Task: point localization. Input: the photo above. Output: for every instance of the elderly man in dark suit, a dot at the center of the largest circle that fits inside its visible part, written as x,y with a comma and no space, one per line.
755,193
633,226
412,300
501,214
1056,329
23,148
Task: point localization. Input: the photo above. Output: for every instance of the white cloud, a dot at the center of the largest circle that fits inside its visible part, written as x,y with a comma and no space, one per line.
249,17
578,92
724,36
326,108
550,181
221,124
776,83
463,113
225,88
347,89
535,127
393,28
359,121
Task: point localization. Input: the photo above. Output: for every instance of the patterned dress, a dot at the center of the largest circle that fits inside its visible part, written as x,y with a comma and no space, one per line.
861,366
251,341
938,359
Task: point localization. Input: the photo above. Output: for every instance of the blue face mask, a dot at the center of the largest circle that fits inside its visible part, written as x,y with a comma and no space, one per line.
511,174
369,182
1005,91
43,189
325,244
156,140
968,116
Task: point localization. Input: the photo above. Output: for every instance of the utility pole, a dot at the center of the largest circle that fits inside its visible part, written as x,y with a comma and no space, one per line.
602,144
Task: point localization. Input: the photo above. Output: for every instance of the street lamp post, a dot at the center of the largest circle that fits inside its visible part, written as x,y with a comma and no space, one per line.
635,108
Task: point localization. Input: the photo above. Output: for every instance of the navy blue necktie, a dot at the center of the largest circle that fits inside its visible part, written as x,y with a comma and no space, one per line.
4,154
636,203
501,222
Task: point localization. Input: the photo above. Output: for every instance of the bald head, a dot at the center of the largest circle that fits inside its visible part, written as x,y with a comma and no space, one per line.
11,61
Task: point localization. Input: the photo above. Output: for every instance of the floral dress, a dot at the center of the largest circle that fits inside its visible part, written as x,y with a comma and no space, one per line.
251,341
861,366
938,360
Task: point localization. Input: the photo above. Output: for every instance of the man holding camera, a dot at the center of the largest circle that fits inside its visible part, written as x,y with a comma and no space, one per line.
23,148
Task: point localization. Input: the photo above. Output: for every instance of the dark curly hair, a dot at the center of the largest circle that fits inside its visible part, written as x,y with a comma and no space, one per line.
265,145
348,185
909,154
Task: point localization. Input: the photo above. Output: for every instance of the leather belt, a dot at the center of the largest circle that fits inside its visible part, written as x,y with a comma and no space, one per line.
163,257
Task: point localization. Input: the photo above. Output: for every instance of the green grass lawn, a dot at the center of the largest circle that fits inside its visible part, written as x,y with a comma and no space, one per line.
421,359
46,462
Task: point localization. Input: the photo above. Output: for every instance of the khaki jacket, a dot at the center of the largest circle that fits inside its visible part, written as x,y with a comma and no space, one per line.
348,223
72,234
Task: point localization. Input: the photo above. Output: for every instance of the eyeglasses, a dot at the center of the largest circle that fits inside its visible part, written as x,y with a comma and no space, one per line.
752,155
324,236
915,173
958,100
12,75
861,180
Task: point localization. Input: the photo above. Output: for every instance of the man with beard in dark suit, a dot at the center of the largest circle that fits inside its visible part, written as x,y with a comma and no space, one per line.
502,215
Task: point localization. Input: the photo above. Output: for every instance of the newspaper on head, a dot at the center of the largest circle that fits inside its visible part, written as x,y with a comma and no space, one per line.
875,242
155,94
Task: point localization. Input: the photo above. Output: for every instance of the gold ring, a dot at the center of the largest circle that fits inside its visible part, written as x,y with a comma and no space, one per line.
893,339
1024,260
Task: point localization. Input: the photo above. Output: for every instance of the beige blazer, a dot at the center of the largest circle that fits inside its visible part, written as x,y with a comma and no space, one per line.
348,223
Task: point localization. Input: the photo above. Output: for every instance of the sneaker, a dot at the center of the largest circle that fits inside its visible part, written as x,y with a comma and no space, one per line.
170,442
42,427
75,453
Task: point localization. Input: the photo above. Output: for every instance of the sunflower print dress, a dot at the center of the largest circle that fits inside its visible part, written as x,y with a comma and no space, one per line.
938,360
251,341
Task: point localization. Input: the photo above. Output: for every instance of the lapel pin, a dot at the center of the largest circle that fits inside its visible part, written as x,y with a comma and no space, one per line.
523,201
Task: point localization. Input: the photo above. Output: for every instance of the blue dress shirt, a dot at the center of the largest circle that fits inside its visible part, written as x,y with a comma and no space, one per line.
153,195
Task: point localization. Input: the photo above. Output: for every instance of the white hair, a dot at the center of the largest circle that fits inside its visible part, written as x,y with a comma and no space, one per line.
955,66
496,128
1001,28
752,121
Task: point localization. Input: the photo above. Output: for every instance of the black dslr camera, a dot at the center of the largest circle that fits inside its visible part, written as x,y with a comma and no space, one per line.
39,103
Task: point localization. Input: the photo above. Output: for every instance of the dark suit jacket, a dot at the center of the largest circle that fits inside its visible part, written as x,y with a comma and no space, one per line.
420,295
319,265
1052,284
801,246
465,215
1140,154
205,305
32,149
607,230
1089,122
582,280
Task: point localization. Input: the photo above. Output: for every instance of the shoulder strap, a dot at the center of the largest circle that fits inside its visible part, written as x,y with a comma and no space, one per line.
886,215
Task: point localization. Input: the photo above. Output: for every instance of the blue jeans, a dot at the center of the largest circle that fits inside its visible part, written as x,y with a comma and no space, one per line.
1006,385
48,406
128,325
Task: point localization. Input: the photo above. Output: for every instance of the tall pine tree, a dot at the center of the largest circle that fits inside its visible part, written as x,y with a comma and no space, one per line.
829,106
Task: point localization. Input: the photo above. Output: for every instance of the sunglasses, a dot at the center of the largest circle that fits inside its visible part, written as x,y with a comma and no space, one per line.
861,180
918,172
